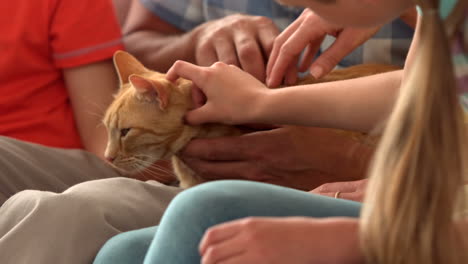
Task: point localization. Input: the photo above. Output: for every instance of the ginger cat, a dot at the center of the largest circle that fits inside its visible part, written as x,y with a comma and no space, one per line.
145,121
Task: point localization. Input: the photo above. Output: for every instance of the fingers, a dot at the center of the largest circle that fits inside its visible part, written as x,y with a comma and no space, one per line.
224,252
290,77
274,76
219,149
226,51
239,40
309,54
238,259
243,170
347,41
198,98
266,38
210,170
352,196
218,234
185,70
203,114
333,187
278,43
206,55
353,190
250,54
290,52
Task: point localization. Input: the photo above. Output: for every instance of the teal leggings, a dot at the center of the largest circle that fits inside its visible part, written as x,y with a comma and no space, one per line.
196,209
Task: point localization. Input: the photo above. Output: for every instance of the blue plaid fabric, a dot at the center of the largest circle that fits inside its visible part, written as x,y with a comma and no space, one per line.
390,45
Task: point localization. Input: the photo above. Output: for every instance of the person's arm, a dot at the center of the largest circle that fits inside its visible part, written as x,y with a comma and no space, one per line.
297,157
306,34
156,43
234,97
297,240
90,88
358,104
121,10
241,40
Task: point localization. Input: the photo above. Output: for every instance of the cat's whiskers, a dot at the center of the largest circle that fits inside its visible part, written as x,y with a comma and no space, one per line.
141,172
155,168
142,157
152,166
149,173
99,115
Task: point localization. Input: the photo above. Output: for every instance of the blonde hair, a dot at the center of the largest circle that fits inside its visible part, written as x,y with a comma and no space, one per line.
417,173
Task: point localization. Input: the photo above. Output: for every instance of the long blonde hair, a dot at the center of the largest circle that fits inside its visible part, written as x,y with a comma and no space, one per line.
417,174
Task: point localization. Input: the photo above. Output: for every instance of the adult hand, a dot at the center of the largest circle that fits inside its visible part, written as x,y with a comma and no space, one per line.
353,190
308,32
297,157
231,93
286,240
241,40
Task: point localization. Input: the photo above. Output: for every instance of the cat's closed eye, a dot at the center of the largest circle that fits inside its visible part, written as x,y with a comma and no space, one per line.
124,132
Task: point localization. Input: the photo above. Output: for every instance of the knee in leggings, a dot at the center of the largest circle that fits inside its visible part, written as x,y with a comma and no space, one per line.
212,197
127,247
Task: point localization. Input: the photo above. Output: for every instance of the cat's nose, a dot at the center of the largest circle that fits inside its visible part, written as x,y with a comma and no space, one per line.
110,159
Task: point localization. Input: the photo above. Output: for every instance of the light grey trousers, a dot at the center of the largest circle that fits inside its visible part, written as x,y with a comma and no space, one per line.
60,206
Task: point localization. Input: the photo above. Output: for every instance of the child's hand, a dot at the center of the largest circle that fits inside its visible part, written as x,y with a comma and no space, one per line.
308,32
232,94
282,240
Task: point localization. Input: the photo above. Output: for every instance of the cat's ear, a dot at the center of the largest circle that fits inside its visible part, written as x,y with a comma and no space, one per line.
150,89
126,65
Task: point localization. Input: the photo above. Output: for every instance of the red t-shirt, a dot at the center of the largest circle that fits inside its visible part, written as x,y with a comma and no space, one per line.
39,38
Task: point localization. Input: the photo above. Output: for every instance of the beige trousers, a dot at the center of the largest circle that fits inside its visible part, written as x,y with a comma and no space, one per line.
61,206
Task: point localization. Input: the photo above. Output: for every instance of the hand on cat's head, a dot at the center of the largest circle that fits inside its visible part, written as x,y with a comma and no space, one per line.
231,94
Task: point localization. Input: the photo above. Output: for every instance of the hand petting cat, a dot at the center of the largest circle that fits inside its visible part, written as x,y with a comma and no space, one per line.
255,241
307,32
293,156
241,40
218,82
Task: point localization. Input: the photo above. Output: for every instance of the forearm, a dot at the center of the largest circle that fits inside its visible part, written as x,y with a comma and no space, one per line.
94,137
345,239
90,88
159,51
357,104
155,42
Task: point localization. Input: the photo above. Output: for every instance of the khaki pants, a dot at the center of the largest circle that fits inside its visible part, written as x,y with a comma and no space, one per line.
61,206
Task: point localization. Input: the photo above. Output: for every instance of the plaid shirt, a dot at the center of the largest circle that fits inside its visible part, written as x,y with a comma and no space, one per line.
390,45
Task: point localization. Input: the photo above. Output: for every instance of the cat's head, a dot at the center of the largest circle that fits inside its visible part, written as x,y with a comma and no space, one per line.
145,120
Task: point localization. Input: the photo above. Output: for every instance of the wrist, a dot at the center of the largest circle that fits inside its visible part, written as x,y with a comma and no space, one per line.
260,103
347,230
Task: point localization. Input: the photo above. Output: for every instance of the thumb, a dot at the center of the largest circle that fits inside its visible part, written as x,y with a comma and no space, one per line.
346,42
198,97
332,56
200,116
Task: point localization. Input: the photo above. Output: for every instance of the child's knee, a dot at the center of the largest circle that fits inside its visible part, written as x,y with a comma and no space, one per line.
128,247
213,198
